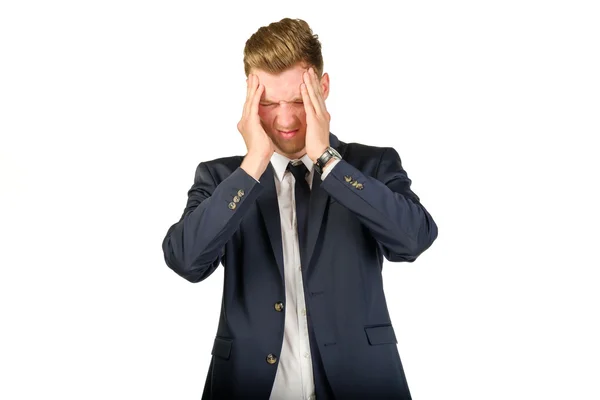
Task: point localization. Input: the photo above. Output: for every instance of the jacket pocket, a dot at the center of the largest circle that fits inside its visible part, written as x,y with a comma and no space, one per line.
222,348
381,334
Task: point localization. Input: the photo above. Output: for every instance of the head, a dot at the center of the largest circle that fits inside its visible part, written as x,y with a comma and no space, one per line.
279,54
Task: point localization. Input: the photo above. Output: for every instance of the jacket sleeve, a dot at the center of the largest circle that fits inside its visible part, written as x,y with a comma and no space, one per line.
386,205
194,246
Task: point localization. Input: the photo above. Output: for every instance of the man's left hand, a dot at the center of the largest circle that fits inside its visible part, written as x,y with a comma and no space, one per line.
317,117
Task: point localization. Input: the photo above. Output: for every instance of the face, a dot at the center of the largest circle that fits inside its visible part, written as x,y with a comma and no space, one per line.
281,109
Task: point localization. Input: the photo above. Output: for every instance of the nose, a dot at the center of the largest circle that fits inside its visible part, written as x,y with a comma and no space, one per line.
286,116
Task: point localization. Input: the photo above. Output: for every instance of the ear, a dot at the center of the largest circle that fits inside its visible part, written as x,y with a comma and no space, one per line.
325,85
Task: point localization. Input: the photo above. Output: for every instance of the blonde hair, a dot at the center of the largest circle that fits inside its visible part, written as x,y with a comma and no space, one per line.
281,45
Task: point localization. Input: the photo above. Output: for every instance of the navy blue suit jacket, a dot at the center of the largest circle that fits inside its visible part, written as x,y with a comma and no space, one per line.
362,212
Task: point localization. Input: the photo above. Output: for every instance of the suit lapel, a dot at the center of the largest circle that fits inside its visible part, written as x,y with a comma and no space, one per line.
269,209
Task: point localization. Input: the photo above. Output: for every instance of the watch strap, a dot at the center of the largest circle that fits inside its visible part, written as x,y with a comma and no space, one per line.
329,153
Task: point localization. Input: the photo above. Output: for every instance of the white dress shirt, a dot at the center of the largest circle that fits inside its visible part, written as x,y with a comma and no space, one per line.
294,376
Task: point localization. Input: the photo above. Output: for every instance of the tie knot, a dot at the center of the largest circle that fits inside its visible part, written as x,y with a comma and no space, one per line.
299,171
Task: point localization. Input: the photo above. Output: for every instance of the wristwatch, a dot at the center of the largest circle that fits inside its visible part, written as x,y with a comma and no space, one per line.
329,153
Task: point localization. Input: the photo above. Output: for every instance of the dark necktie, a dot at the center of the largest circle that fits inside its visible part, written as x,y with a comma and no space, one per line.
302,200
302,190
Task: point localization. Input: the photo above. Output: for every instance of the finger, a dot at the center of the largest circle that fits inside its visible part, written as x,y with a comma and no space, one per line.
319,91
308,107
247,94
256,99
248,82
252,80
309,81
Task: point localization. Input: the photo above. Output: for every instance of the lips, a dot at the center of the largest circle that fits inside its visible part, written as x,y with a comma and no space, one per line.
288,134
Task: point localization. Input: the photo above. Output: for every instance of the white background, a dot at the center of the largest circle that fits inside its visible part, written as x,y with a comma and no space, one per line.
107,107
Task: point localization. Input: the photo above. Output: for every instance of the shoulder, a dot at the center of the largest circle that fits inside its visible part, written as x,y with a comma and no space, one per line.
231,161
219,168
364,156
354,149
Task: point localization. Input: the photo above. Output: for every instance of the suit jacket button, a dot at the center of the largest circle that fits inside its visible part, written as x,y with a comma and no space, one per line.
236,199
348,178
232,205
240,193
279,306
271,359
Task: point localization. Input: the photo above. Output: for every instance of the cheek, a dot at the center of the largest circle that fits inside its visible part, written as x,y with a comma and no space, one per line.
301,115
299,112
264,113
268,116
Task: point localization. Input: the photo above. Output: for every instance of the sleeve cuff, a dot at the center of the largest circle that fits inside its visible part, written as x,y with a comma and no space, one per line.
328,168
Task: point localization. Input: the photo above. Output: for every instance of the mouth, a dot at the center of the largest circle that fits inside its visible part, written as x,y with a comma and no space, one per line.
288,134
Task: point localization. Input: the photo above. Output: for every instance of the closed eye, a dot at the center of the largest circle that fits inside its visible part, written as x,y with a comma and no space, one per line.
274,104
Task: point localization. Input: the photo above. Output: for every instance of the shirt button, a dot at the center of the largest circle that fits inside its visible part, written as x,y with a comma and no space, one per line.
304,312
306,355
312,397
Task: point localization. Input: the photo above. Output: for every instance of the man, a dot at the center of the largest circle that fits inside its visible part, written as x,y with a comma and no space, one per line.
301,224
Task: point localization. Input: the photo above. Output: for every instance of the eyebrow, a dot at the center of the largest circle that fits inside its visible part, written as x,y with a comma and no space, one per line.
273,101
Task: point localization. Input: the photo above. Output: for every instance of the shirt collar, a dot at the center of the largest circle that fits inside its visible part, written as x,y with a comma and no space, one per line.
280,163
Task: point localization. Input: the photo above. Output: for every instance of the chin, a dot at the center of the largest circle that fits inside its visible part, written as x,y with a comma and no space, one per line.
289,146
291,149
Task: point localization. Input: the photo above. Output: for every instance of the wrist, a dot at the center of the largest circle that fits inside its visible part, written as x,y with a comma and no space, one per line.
328,163
315,156
326,158
255,165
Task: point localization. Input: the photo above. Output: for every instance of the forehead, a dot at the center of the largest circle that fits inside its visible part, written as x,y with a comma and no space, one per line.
284,86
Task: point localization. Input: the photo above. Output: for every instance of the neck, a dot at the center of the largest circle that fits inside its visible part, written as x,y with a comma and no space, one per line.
294,156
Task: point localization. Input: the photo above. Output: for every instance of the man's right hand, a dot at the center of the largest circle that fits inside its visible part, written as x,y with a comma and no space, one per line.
259,144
